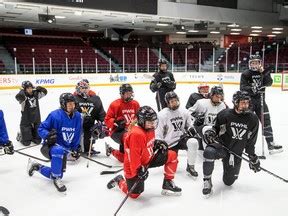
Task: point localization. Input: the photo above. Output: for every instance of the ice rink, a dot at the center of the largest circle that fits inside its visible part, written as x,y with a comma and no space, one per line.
87,195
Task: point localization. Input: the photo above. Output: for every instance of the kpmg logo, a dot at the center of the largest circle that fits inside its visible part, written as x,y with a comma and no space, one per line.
44,81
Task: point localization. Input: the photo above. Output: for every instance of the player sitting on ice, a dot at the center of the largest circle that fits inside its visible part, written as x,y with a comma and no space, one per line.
174,122
61,132
236,129
141,153
120,114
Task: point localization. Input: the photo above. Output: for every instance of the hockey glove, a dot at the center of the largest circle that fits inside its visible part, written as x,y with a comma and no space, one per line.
51,138
254,163
198,118
191,132
120,124
209,136
99,131
142,173
8,148
160,145
41,89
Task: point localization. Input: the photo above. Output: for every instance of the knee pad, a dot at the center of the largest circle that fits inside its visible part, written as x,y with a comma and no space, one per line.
209,153
57,151
229,180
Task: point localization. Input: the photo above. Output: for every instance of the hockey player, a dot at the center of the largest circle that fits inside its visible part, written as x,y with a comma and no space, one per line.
237,129
92,110
139,153
89,91
120,114
203,92
162,83
254,81
174,121
61,132
205,111
29,97
6,146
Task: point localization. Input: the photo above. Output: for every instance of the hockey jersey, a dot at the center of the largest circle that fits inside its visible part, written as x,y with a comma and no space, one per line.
138,148
210,110
172,124
3,130
68,128
30,105
237,131
118,110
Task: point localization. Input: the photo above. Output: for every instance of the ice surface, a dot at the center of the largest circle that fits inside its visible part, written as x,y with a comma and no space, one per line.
252,194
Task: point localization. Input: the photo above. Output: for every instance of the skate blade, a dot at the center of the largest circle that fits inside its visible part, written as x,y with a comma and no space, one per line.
192,177
170,193
275,151
206,196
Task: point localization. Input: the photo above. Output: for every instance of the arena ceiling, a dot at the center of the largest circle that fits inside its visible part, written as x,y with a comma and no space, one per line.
26,15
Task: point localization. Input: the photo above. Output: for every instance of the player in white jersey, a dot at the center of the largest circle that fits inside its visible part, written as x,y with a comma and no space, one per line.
174,122
205,111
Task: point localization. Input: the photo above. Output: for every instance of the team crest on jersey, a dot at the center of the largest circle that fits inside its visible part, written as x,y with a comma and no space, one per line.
211,118
177,123
87,108
68,134
32,102
238,130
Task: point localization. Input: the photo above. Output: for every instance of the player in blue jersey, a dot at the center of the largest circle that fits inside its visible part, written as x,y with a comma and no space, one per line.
6,146
61,132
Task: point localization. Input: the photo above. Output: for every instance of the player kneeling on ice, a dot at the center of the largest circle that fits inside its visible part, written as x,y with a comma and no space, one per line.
234,130
141,153
61,132
6,146
29,97
175,124
204,112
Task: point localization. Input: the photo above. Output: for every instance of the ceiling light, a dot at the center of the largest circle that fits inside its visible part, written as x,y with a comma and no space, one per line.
254,35
214,32
276,32
78,13
277,29
236,30
256,27
234,25
158,31
193,31
271,35
92,30
60,17
257,31
235,33
162,24
180,32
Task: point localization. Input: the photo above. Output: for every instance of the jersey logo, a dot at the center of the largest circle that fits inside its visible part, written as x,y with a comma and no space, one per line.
32,102
129,118
238,133
177,125
87,110
211,118
68,137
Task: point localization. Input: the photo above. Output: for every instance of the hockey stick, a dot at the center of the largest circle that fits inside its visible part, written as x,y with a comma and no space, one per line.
27,147
247,160
89,153
147,166
262,124
31,156
106,172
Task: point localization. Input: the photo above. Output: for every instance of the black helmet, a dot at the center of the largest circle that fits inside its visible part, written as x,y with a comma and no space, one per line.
126,87
162,61
65,98
239,96
26,84
218,90
145,113
252,58
169,96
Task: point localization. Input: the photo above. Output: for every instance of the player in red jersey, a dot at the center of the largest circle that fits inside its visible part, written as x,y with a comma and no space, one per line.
120,114
140,147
